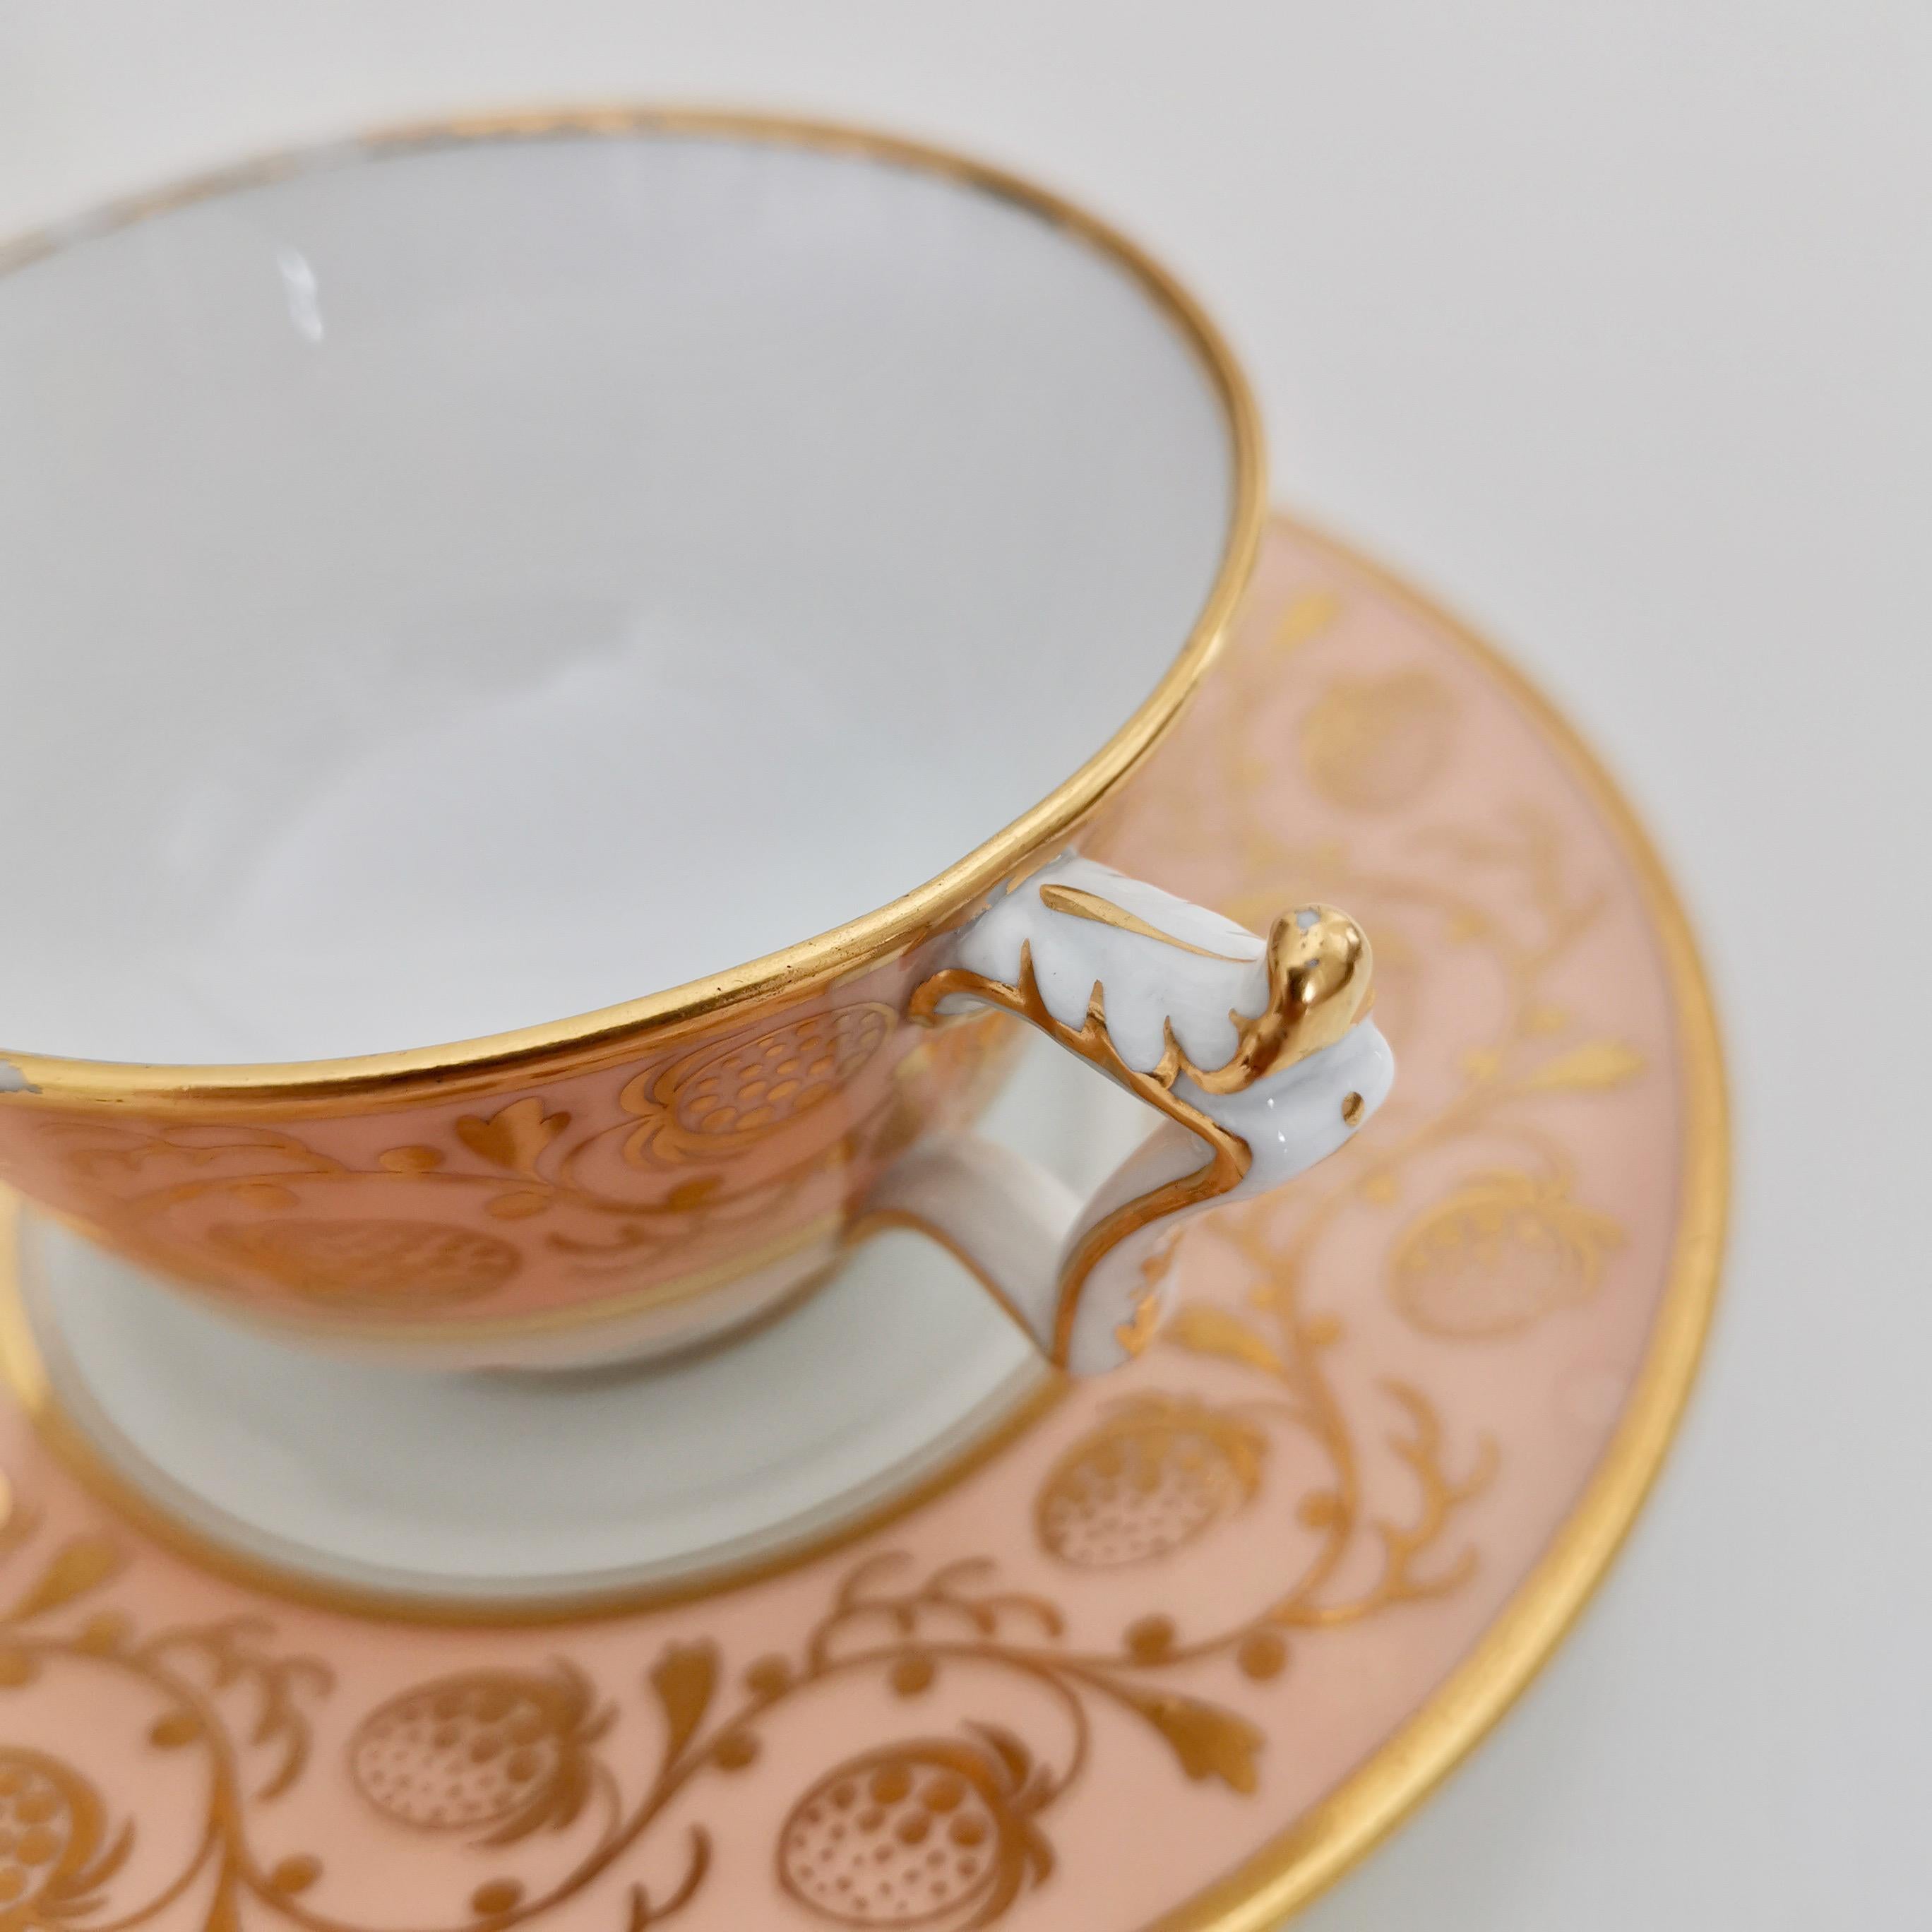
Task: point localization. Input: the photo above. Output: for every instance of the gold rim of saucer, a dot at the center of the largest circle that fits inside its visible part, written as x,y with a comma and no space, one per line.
612,1032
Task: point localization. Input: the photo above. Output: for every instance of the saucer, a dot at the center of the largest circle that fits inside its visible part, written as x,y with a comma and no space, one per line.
1169,1648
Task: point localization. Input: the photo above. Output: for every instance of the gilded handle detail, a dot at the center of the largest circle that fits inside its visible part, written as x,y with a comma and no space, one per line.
1258,1052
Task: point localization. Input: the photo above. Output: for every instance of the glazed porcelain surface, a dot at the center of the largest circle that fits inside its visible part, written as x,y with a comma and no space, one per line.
452,587
553,555
1168,1650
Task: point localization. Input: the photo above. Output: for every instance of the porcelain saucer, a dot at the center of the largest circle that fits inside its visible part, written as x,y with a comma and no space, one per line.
881,1630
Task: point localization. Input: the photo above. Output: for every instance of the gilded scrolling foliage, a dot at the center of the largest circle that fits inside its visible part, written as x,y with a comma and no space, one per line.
283,1202
1506,1240
942,1825
68,1839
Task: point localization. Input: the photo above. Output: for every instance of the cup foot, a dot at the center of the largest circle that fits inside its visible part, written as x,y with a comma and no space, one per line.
549,1486
517,1488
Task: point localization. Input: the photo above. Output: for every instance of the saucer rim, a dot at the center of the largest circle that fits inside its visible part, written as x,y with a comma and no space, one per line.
585,1040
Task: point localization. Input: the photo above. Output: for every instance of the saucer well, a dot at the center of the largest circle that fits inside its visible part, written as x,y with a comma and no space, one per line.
417,1492
1171,1648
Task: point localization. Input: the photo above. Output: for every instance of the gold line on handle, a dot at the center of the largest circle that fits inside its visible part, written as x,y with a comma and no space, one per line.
1070,899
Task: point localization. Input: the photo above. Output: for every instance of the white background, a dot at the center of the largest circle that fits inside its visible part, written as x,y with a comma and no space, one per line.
1613,323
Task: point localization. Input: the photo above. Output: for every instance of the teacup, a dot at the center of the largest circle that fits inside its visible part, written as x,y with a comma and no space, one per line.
473,573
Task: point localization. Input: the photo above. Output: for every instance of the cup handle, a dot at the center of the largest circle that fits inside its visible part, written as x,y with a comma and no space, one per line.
1257,1051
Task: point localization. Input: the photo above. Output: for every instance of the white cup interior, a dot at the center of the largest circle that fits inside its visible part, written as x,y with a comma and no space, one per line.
446,589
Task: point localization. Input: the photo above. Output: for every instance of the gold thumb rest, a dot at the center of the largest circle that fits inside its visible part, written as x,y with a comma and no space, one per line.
1321,970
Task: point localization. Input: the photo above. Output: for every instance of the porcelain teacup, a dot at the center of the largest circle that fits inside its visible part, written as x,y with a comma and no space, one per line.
467,575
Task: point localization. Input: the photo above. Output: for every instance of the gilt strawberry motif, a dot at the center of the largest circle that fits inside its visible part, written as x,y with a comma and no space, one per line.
499,1753
368,1263
1155,1472
52,1849
1502,1251
714,1101
930,1832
